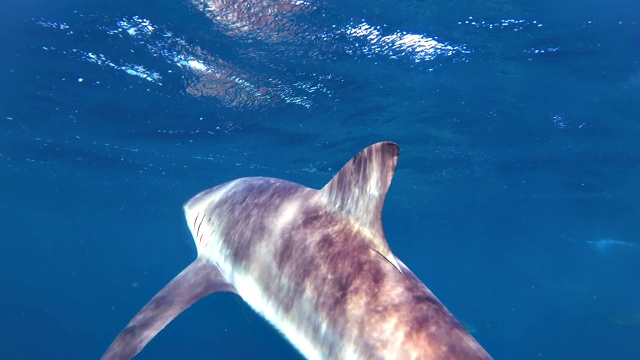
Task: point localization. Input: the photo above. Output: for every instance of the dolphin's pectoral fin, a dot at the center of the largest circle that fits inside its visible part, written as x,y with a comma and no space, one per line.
198,280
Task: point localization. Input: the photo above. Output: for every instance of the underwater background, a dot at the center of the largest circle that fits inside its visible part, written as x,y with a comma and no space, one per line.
516,198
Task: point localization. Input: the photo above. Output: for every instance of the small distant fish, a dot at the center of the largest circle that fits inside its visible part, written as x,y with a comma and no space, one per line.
606,246
632,321
470,328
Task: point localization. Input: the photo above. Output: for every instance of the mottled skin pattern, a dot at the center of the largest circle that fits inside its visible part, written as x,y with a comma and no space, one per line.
315,263
319,262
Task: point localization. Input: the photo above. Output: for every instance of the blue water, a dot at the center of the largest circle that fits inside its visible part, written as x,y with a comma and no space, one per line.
515,200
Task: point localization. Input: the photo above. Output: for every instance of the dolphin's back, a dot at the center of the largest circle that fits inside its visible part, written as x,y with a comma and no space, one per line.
315,276
320,274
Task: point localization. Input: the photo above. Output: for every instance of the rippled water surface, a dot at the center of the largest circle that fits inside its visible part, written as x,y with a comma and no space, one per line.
515,200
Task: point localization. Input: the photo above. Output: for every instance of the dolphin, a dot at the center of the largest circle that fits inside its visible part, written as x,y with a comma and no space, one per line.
315,264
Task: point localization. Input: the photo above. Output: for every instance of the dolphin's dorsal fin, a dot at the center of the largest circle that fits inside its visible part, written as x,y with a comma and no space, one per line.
359,189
